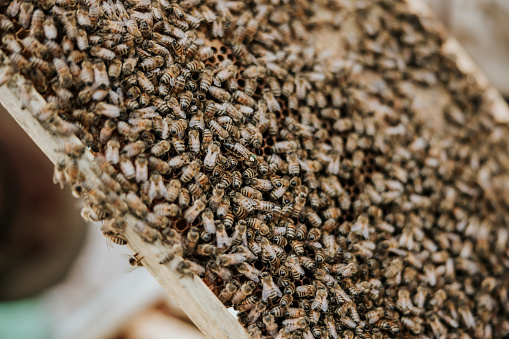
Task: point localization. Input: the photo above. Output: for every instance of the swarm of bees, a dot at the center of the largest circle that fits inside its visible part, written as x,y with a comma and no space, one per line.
301,186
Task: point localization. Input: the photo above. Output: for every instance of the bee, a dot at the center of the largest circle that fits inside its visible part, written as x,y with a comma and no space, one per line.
320,301
270,289
194,141
243,292
115,237
256,311
270,324
194,211
222,237
11,43
160,148
185,99
135,204
208,221
145,84
145,232
184,198
219,93
151,63
195,66
25,14
228,217
64,73
102,53
59,174
130,64
112,151
294,324
189,268
6,24
178,50
228,291
218,130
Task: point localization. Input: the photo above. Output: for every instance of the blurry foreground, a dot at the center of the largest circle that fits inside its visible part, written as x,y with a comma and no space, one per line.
58,277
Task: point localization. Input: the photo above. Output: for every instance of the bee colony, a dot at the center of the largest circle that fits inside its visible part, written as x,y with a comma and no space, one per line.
302,186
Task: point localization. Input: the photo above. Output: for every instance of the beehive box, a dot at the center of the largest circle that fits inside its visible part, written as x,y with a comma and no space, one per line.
360,187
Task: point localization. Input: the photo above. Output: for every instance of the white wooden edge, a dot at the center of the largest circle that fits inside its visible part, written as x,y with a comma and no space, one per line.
191,294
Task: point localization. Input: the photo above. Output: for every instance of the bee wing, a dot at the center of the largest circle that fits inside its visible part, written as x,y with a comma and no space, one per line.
152,193
325,304
265,291
307,335
129,269
162,189
315,304
332,329
278,291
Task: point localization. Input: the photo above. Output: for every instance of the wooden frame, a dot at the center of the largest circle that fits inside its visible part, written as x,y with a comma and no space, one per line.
191,294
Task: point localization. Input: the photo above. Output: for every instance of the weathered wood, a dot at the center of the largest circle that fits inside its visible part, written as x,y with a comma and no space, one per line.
191,294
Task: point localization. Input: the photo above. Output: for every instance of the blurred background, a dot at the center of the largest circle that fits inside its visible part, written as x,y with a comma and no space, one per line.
58,277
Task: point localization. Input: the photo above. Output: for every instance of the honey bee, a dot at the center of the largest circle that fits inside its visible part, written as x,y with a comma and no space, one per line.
194,141
294,324
115,69
219,93
194,211
222,236
243,292
270,289
228,291
185,99
25,14
5,23
130,64
11,43
145,232
59,174
115,237
189,268
112,151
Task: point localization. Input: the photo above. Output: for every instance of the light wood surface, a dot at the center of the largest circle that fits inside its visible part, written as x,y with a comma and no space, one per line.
192,295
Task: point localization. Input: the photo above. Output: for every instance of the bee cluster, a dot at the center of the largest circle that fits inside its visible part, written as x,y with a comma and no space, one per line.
303,187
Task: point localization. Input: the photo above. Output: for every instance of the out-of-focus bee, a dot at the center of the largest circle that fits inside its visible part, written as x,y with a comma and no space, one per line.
270,324
228,291
25,14
294,324
270,289
11,43
194,141
189,268
59,174
6,24
219,93
145,232
112,153
194,211
243,292
249,271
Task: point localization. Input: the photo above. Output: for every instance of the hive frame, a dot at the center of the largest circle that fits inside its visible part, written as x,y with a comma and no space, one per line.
192,294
